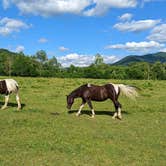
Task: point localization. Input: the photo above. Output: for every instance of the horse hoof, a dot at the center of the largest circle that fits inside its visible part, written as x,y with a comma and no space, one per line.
113,117
2,108
120,118
93,116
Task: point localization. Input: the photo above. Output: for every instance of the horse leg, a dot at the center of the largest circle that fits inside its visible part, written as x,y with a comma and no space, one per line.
6,102
81,106
91,107
117,110
115,115
18,101
119,113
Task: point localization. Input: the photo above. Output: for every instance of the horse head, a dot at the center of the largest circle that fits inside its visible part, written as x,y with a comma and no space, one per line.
70,101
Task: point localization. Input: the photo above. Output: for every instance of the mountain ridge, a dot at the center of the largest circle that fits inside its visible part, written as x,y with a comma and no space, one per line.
150,58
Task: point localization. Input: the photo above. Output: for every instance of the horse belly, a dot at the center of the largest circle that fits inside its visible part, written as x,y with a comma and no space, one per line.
99,97
96,99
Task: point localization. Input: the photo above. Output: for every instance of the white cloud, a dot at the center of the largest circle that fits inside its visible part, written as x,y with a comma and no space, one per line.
137,46
42,40
62,48
54,7
152,0
143,2
158,33
126,17
83,60
5,3
102,6
136,26
49,7
20,48
9,25
163,50
110,59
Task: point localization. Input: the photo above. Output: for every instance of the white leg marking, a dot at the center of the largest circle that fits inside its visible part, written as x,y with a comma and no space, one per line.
93,113
18,101
119,113
115,115
79,111
6,102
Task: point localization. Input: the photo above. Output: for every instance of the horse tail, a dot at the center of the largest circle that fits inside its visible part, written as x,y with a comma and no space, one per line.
128,90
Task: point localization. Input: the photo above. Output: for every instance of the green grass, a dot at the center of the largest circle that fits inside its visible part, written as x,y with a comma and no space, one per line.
37,136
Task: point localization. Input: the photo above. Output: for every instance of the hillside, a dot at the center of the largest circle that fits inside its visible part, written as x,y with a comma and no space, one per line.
151,58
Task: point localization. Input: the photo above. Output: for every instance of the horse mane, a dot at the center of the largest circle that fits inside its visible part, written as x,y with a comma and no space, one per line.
78,89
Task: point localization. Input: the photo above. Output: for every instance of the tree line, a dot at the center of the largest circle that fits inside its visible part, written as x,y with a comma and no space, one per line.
38,65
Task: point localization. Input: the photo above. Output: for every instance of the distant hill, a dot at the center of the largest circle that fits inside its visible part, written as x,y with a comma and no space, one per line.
6,52
151,58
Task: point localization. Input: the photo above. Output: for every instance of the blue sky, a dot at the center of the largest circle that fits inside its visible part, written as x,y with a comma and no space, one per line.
75,30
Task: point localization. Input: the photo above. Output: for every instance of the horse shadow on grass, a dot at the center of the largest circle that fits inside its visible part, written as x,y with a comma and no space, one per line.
12,105
98,112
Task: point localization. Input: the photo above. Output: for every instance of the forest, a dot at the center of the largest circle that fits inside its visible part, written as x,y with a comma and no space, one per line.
38,65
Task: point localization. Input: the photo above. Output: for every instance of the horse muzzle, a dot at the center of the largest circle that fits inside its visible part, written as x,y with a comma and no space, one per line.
68,107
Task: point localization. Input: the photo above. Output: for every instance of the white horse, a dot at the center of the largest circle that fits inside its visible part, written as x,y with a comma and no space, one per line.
8,86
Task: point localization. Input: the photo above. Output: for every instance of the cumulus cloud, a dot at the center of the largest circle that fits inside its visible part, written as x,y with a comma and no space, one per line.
143,2
83,60
62,48
102,6
136,26
110,59
5,3
20,48
163,50
49,7
9,25
54,7
42,40
137,46
125,17
158,33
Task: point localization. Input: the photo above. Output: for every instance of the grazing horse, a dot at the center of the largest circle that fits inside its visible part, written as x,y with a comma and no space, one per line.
89,92
8,86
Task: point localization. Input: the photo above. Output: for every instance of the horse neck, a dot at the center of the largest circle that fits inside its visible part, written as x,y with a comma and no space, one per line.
74,94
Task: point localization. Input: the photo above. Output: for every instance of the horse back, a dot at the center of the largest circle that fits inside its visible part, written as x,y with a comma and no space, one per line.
96,93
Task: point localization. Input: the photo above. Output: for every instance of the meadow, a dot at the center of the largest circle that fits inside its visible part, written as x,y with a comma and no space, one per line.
43,133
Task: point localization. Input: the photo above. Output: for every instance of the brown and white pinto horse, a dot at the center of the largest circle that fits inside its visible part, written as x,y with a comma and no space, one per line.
89,92
8,86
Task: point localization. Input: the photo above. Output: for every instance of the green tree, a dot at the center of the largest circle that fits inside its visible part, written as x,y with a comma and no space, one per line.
98,59
25,66
41,56
53,62
8,65
139,70
158,71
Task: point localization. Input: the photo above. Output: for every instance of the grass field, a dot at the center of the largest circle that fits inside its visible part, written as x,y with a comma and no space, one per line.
38,136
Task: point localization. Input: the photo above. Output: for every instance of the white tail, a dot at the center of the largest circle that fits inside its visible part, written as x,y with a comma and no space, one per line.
128,91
